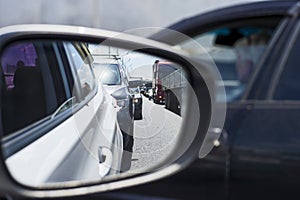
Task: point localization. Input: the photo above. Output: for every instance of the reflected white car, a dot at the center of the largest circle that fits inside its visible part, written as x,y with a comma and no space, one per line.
55,107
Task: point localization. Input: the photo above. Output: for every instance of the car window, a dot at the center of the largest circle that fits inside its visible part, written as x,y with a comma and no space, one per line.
236,50
17,56
82,68
288,87
33,87
109,74
135,90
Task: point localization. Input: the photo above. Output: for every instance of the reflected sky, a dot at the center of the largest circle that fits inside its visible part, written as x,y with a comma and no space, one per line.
139,65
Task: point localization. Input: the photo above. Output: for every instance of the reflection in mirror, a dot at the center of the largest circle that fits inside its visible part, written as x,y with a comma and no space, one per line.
73,111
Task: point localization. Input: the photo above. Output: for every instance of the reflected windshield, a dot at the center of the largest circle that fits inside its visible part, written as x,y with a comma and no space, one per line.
109,74
135,90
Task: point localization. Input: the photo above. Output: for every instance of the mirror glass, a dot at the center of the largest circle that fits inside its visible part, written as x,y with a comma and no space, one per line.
75,111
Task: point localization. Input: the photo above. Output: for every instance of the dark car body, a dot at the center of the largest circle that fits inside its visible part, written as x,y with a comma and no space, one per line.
258,153
138,103
138,111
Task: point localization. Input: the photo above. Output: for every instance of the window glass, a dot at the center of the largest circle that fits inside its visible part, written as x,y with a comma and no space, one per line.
83,70
109,74
135,90
33,86
288,87
236,51
17,56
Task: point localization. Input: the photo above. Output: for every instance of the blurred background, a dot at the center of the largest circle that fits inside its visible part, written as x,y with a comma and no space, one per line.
117,15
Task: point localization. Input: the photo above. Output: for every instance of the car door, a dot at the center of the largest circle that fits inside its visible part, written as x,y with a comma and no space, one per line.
240,66
265,152
94,122
208,177
32,94
51,106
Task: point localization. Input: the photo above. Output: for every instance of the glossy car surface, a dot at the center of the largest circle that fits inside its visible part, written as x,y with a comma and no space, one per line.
46,92
257,155
138,103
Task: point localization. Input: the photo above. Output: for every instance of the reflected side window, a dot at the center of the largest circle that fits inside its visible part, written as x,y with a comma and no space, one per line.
109,74
236,50
33,87
23,82
82,68
15,57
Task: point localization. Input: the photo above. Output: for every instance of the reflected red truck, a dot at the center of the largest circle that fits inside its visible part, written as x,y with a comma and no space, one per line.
161,69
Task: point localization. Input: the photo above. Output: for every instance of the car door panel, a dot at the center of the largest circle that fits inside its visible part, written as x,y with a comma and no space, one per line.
266,147
82,160
49,145
71,139
265,155
264,140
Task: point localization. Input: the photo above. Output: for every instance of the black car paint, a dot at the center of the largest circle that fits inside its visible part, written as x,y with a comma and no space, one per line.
138,108
258,156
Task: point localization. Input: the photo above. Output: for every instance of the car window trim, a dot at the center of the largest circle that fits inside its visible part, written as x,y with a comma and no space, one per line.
282,63
61,107
62,71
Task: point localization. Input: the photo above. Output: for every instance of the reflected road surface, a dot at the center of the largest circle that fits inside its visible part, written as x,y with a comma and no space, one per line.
154,135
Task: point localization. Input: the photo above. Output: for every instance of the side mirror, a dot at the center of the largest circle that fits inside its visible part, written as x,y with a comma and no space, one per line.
90,146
